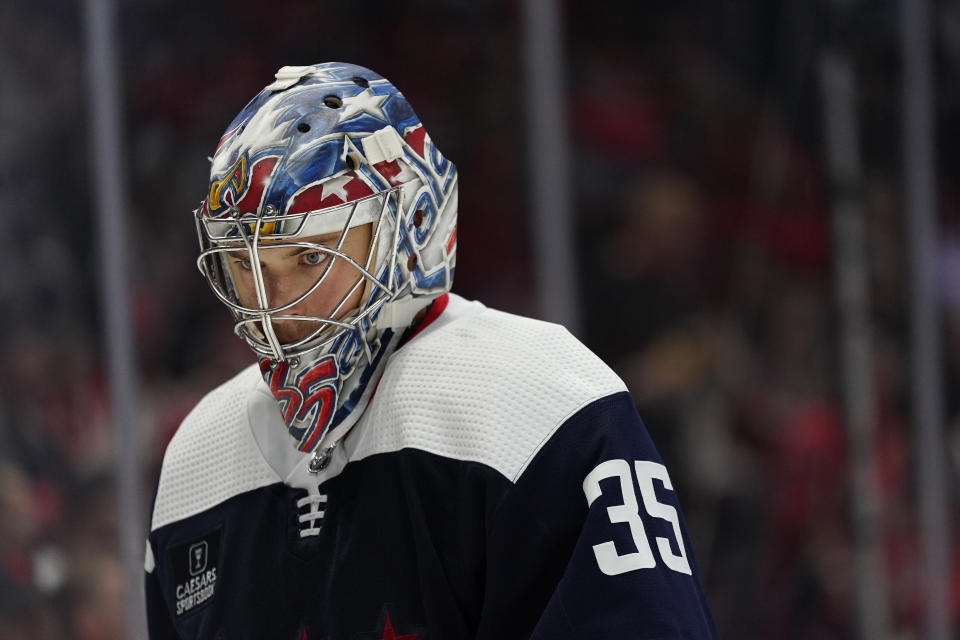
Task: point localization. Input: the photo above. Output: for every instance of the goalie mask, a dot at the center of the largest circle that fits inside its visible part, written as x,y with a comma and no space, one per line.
329,223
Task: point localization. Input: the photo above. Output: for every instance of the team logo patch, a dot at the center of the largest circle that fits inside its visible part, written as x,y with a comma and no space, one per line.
194,568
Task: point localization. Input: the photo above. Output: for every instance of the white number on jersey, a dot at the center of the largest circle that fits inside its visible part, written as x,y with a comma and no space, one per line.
613,563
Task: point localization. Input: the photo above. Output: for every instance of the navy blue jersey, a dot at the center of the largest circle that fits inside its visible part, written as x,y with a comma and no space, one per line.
500,485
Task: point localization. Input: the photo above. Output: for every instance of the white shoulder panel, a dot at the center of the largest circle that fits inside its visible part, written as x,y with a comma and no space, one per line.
481,385
213,456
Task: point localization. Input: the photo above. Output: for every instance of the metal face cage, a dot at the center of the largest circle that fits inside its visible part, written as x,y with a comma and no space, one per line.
242,237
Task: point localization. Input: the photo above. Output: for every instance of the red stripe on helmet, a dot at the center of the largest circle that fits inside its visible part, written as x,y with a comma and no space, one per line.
415,138
250,202
453,240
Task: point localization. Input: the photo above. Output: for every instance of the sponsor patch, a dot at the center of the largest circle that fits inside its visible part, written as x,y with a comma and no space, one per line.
195,565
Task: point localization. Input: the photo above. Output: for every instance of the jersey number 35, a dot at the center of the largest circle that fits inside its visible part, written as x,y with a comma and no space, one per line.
613,563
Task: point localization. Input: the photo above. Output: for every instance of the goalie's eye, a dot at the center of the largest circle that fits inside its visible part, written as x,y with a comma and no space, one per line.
244,263
313,258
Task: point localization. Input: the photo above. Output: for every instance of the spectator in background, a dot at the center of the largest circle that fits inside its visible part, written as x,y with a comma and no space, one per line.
91,604
24,611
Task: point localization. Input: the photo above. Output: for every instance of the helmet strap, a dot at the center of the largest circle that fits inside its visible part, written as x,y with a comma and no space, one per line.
399,314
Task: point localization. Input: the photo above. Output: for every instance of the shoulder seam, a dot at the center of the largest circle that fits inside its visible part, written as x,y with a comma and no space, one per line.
547,436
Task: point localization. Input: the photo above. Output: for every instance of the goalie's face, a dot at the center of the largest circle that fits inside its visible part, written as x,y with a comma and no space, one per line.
335,286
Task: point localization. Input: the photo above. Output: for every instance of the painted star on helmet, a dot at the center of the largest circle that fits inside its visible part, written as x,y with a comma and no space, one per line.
367,102
337,187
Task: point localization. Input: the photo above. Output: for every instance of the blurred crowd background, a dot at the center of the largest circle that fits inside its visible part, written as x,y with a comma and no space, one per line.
703,251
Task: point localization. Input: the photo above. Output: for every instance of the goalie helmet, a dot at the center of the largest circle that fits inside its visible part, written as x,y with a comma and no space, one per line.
320,151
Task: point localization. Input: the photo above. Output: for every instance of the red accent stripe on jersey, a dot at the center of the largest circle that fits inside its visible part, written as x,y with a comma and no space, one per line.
433,312
375,387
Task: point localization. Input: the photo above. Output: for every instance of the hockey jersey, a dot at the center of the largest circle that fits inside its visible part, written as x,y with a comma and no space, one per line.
499,485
